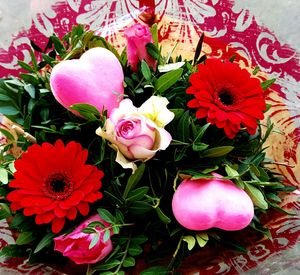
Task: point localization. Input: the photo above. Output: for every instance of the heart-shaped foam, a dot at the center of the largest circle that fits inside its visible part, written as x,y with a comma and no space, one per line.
96,78
206,203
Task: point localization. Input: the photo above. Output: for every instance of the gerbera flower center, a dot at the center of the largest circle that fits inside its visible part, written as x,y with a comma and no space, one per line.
226,97
58,186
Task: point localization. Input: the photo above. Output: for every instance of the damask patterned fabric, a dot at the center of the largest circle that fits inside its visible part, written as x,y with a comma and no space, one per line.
229,28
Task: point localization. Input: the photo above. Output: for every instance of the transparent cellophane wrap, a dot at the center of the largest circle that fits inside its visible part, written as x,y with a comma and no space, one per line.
179,33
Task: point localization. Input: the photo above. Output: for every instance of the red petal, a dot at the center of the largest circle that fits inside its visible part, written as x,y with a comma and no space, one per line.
29,211
35,201
201,113
73,200
72,213
58,224
93,197
60,213
83,208
39,219
221,115
193,103
47,217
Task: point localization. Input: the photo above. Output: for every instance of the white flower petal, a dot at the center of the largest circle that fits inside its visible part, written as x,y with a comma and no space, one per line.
155,108
164,139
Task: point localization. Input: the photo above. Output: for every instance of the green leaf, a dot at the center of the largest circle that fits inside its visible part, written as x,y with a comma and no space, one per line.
4,98
29,88
199,146
154,33
217,152
210,169
134,249
273,197
156,270
7,134
266,84
198,49
137,194
88,230
88,111
58,46
25,238
201,133
202,239
134,179
33,60
25,66
95,224
163,217
13,250
167,80
139,239
281,210
128,262
106,236
106,215
3,176
153,51
231,172
146,70
9,110
190,240
256,70
183,127
257,196
139,207
14,81
4,211
45,241
94,240
18,219
109,265
35,46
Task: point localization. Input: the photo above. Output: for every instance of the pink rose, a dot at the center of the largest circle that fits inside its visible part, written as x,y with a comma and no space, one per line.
76,244
138,133
138,36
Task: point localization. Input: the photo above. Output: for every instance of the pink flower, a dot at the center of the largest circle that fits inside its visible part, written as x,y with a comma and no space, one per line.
138,133
76,244
138,36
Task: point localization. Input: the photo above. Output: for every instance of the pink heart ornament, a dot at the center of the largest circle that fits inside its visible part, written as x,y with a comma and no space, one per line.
96,78
206,203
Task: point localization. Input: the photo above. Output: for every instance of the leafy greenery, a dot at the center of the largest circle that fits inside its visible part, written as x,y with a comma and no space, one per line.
136,205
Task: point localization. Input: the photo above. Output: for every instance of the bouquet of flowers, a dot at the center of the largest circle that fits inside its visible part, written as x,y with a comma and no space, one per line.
109,158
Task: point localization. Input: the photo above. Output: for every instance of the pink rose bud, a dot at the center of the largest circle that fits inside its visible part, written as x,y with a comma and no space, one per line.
76,244
96,79
138,36
205,203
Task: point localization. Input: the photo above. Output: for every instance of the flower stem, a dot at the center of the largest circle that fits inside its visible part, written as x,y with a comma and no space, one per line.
125,255
170,266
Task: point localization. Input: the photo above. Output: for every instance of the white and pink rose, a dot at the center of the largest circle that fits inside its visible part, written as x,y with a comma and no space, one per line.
138,133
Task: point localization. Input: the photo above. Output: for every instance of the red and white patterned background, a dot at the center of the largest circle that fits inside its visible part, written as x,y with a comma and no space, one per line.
228,28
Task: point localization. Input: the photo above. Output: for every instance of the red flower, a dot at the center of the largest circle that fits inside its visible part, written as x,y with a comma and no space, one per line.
227,96
54,183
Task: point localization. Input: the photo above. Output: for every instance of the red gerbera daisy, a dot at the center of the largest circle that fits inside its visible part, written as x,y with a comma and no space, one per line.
227,96
54,183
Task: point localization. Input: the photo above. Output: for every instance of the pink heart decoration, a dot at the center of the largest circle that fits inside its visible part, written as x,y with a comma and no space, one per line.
96,78
206,203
